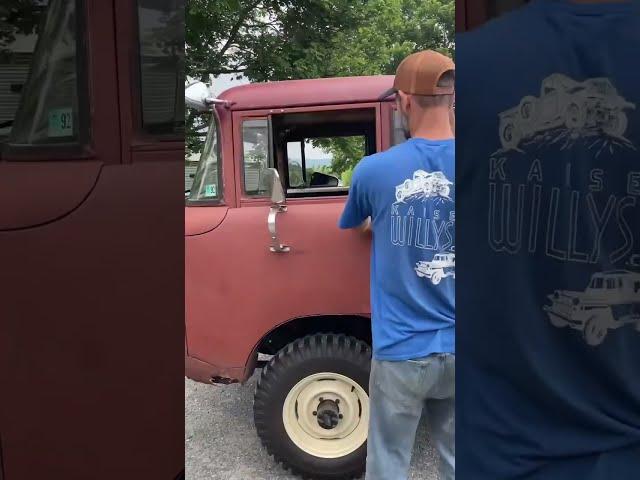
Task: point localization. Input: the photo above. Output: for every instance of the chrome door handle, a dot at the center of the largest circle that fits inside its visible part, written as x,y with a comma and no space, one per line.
276,246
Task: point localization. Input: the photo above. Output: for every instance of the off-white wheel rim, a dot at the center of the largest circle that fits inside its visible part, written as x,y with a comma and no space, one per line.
302,425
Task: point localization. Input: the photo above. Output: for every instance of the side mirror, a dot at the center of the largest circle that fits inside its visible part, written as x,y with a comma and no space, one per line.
197,96
276,190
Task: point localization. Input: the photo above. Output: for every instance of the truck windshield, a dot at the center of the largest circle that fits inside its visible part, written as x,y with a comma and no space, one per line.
39,54
206,182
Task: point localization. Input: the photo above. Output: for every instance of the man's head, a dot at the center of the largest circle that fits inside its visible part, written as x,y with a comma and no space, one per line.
425,87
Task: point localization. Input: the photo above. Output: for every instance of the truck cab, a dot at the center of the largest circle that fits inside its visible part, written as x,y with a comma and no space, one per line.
610,301
91,319
272,276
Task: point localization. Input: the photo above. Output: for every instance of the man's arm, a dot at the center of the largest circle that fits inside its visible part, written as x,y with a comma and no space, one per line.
357,211
365,226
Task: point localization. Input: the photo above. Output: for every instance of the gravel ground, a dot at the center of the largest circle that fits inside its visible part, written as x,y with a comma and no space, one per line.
221,442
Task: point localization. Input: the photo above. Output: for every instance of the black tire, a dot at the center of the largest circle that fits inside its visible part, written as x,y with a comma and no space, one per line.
595,331
510,135
303,357
575,116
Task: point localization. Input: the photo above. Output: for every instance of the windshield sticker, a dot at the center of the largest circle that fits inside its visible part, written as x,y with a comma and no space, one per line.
60,122
210,190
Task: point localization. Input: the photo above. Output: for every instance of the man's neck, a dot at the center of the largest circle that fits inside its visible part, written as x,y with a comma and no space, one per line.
435,130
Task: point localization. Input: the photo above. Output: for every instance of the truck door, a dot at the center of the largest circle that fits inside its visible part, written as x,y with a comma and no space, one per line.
314,150
91,327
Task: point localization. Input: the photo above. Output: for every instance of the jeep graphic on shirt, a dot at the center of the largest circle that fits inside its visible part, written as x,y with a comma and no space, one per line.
573,218
433,230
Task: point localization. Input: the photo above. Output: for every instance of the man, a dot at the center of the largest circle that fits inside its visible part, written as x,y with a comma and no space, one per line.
405,196
548,307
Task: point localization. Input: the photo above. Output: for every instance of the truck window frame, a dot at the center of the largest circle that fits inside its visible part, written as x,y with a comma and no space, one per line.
82,148
219,200
242,166
242,199
143,139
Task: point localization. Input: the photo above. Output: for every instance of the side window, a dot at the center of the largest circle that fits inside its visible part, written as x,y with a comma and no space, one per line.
162,69
324,161
316,151
194,143
42,86
206,185
255,157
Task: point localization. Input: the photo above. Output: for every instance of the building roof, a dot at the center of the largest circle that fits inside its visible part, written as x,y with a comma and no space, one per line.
301,93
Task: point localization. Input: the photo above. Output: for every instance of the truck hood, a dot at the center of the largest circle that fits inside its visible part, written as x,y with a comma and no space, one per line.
199,220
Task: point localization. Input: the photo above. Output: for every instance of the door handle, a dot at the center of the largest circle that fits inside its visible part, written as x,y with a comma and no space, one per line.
276,246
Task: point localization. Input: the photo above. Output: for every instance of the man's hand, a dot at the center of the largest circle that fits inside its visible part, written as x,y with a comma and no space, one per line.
365,226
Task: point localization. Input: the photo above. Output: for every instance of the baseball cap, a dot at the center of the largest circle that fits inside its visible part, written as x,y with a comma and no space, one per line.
419,73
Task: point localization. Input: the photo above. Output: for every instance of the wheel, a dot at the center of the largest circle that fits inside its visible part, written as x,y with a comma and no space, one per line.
594,331
436,278
616,124
557,321
509,135
527,110
575,117
311,407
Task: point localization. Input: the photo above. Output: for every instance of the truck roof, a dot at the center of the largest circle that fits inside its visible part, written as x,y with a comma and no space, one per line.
616,272
302,93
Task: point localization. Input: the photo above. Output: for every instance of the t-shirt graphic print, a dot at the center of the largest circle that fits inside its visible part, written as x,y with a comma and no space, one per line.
570,114
409,193
406,227
548,301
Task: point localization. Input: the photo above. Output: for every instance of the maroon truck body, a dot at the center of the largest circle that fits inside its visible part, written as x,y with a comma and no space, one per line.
237,291
90,315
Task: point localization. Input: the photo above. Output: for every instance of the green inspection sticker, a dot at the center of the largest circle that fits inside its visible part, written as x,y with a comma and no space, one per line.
60,122
210,190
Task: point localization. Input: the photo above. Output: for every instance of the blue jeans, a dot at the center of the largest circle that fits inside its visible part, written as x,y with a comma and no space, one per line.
398,394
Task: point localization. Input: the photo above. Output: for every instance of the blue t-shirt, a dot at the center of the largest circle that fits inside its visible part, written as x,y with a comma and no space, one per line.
409,193
548,316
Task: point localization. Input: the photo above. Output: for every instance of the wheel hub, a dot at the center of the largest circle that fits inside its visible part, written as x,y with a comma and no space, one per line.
328,414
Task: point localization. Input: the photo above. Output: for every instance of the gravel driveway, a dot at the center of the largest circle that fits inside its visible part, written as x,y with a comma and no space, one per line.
221,442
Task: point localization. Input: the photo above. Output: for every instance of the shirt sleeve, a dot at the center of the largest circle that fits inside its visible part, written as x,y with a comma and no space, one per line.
358,206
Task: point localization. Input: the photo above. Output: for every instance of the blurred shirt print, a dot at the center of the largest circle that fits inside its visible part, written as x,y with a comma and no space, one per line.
549,296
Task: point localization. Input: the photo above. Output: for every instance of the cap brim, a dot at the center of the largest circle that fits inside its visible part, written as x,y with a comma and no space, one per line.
387,94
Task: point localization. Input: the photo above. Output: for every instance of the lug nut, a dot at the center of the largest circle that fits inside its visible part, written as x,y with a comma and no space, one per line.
321,399
337,400
340,416
315,413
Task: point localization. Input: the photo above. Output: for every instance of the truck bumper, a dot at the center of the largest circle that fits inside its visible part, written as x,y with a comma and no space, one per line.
204,372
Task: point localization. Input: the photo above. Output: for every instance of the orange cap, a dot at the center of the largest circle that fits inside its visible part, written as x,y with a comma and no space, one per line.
419,73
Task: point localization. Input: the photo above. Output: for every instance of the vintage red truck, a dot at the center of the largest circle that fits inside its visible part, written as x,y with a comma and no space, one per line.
91,317
268,272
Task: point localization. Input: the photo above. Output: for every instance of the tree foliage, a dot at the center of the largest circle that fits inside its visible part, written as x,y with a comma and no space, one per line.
265,40
284,39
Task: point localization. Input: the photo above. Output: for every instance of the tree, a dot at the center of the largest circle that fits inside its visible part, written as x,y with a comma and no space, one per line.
287,39
17,17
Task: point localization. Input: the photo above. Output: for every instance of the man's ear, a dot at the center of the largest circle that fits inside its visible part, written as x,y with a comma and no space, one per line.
405,101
